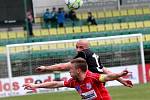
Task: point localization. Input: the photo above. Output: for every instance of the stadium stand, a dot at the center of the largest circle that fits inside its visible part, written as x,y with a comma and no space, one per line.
112,16
70,32
123,16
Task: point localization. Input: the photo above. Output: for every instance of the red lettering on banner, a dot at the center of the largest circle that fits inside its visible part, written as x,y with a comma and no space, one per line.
38,81
31,80
28,80
140,70
48,80
6,86
148,72
16,86
1,87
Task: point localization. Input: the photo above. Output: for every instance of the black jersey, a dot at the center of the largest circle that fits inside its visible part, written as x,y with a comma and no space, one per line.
93,60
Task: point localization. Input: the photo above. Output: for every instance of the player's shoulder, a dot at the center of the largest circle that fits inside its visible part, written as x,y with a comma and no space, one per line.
81,54
87,52
84,54
70,83
71,80
90,74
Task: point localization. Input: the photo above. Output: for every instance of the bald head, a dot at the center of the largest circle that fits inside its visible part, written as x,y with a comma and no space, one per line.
82,44
85,43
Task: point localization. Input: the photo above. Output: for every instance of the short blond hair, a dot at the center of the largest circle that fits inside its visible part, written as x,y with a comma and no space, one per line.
80,63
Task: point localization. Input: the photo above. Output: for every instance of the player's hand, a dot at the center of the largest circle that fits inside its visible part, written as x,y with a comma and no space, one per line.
29,86
40,69
124,72
127,83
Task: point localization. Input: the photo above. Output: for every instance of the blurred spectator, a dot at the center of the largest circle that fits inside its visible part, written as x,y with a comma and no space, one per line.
29,23
73,17
54,18
47,18
91,20
60,17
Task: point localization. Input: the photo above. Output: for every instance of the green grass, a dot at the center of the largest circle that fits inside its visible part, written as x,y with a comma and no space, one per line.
138,92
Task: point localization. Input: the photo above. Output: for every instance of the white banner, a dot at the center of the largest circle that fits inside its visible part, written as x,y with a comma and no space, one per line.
133,74
18,82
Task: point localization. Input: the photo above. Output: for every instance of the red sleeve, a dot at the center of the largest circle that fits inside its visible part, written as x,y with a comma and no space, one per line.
70,83
97,76
94,76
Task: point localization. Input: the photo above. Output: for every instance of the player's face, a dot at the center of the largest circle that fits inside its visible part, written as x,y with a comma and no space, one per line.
73,71
79,47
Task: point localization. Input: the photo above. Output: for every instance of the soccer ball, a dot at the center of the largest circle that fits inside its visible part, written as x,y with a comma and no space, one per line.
74,4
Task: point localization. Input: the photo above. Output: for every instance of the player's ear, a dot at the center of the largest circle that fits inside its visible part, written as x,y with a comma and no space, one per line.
78,70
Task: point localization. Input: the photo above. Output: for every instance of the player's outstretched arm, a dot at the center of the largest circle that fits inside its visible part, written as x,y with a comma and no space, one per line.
56,67
52,84
113,76
126,83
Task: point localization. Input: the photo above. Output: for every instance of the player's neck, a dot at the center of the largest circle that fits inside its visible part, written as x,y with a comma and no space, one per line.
81,77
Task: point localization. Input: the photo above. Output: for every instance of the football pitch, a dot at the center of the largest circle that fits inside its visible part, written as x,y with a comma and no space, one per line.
138,92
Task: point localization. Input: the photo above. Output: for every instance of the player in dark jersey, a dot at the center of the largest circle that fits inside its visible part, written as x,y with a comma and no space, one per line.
87,84
93,62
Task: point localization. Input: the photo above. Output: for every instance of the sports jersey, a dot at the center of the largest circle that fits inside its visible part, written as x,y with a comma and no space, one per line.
90,88
93,60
